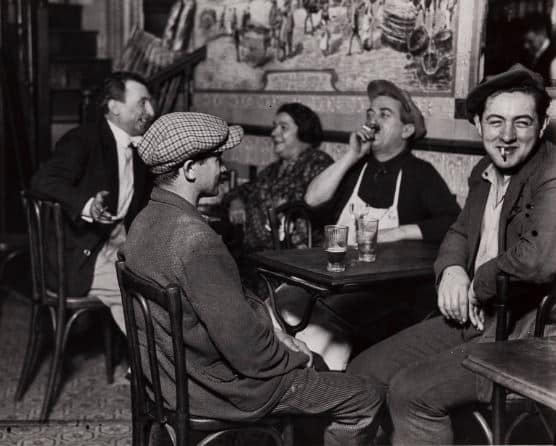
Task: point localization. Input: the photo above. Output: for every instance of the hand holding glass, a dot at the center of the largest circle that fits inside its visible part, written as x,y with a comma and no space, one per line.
366,237
335,244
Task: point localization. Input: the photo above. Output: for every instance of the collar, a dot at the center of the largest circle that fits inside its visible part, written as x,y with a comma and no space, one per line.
493,176
123,139
165,196
392,165
542,49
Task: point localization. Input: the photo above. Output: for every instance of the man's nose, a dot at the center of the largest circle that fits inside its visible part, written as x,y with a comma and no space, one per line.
508,132
149,108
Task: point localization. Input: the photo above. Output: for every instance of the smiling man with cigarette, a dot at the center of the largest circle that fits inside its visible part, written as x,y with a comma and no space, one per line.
507,225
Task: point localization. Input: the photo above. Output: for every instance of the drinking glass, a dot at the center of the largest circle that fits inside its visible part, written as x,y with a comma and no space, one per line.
366,237
335,244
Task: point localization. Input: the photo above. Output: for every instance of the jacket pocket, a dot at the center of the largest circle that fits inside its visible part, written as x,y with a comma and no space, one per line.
219,372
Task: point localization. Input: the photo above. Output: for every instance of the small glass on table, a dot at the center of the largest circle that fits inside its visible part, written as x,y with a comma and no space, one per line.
366,237
335,244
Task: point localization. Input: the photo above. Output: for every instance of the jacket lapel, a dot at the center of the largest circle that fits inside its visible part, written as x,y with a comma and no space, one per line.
477,204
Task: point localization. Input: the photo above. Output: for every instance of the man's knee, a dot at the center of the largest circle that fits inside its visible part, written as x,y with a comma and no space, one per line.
410,391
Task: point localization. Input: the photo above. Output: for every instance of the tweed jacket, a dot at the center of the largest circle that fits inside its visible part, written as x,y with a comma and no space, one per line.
84,162
526,238
237,367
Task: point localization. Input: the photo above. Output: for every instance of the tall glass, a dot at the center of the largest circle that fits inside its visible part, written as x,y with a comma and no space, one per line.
366,237
335,244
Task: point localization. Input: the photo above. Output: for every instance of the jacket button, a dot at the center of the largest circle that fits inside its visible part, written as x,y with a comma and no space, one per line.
527,214
534,233
528,206
87,252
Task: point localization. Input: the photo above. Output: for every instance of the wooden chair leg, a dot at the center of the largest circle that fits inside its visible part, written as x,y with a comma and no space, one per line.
60,337
108,347
31,352
499,402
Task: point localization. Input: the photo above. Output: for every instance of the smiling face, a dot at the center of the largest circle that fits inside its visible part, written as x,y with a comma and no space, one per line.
135,113
391,136
284,137
510,128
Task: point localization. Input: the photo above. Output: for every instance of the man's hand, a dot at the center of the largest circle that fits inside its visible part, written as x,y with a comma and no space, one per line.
476,313
360,143
236,212
99,212
453,291
295,345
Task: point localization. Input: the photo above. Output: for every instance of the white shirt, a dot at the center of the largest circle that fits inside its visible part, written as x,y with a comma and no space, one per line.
488,246
125,173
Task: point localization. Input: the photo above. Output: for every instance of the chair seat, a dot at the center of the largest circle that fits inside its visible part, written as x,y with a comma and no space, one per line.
72,302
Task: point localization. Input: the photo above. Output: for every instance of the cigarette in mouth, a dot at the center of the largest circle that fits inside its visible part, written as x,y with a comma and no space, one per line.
366,127
503,153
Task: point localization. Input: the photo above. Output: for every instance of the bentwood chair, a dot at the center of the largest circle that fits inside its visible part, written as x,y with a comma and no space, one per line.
288,221
502,306
45,227
145,305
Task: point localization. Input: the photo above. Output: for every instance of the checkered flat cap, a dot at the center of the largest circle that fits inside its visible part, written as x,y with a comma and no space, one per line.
177,137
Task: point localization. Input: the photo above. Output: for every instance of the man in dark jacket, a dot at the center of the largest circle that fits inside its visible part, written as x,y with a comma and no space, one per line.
100,182
240,366
379,176
507,225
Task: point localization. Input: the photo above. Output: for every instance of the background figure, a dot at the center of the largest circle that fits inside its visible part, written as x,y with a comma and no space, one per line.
324,42
296,136
286,31
540,53
234,28
101,184
357,9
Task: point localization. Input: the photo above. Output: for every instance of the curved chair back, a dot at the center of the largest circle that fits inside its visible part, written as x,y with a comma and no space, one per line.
141,299
292,212
45,229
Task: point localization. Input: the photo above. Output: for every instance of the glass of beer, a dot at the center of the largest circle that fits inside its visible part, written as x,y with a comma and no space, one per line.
366,237
335,244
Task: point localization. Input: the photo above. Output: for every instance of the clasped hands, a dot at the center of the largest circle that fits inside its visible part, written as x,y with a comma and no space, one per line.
294,344
457,300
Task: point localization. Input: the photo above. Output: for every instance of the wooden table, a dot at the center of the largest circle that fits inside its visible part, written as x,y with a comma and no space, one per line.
525,366
307,268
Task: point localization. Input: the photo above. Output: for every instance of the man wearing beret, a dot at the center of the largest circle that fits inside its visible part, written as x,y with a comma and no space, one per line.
507,225
240,367
378,174
379,177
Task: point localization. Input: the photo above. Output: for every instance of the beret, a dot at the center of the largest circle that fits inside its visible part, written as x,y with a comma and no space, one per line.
177,137
382,87
515,76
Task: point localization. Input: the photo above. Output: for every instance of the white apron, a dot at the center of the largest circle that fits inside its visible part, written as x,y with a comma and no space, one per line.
321,335
387,217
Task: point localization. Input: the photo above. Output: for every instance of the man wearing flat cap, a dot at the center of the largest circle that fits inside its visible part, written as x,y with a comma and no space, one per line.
378,177
507,225
378,174
240,367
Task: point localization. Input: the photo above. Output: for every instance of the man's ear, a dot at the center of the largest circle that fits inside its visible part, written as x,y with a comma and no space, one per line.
478,125
113,107
544,126
408,130
190,171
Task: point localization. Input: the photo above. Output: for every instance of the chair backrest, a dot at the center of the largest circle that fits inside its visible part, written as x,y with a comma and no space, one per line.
294,214
45,229
144,302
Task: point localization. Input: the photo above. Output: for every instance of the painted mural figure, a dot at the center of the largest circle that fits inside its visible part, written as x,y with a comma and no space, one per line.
324,43
356,26
286,31
235,33
311,7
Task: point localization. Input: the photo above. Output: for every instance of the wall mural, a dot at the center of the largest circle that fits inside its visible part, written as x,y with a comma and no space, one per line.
326,45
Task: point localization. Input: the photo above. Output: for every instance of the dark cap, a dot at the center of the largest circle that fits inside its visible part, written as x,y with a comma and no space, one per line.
382,87
516,76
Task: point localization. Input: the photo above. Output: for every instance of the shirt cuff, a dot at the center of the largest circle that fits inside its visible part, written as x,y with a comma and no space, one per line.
86,211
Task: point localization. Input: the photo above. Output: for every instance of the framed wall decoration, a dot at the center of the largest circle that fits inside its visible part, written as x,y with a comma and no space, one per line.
326,45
